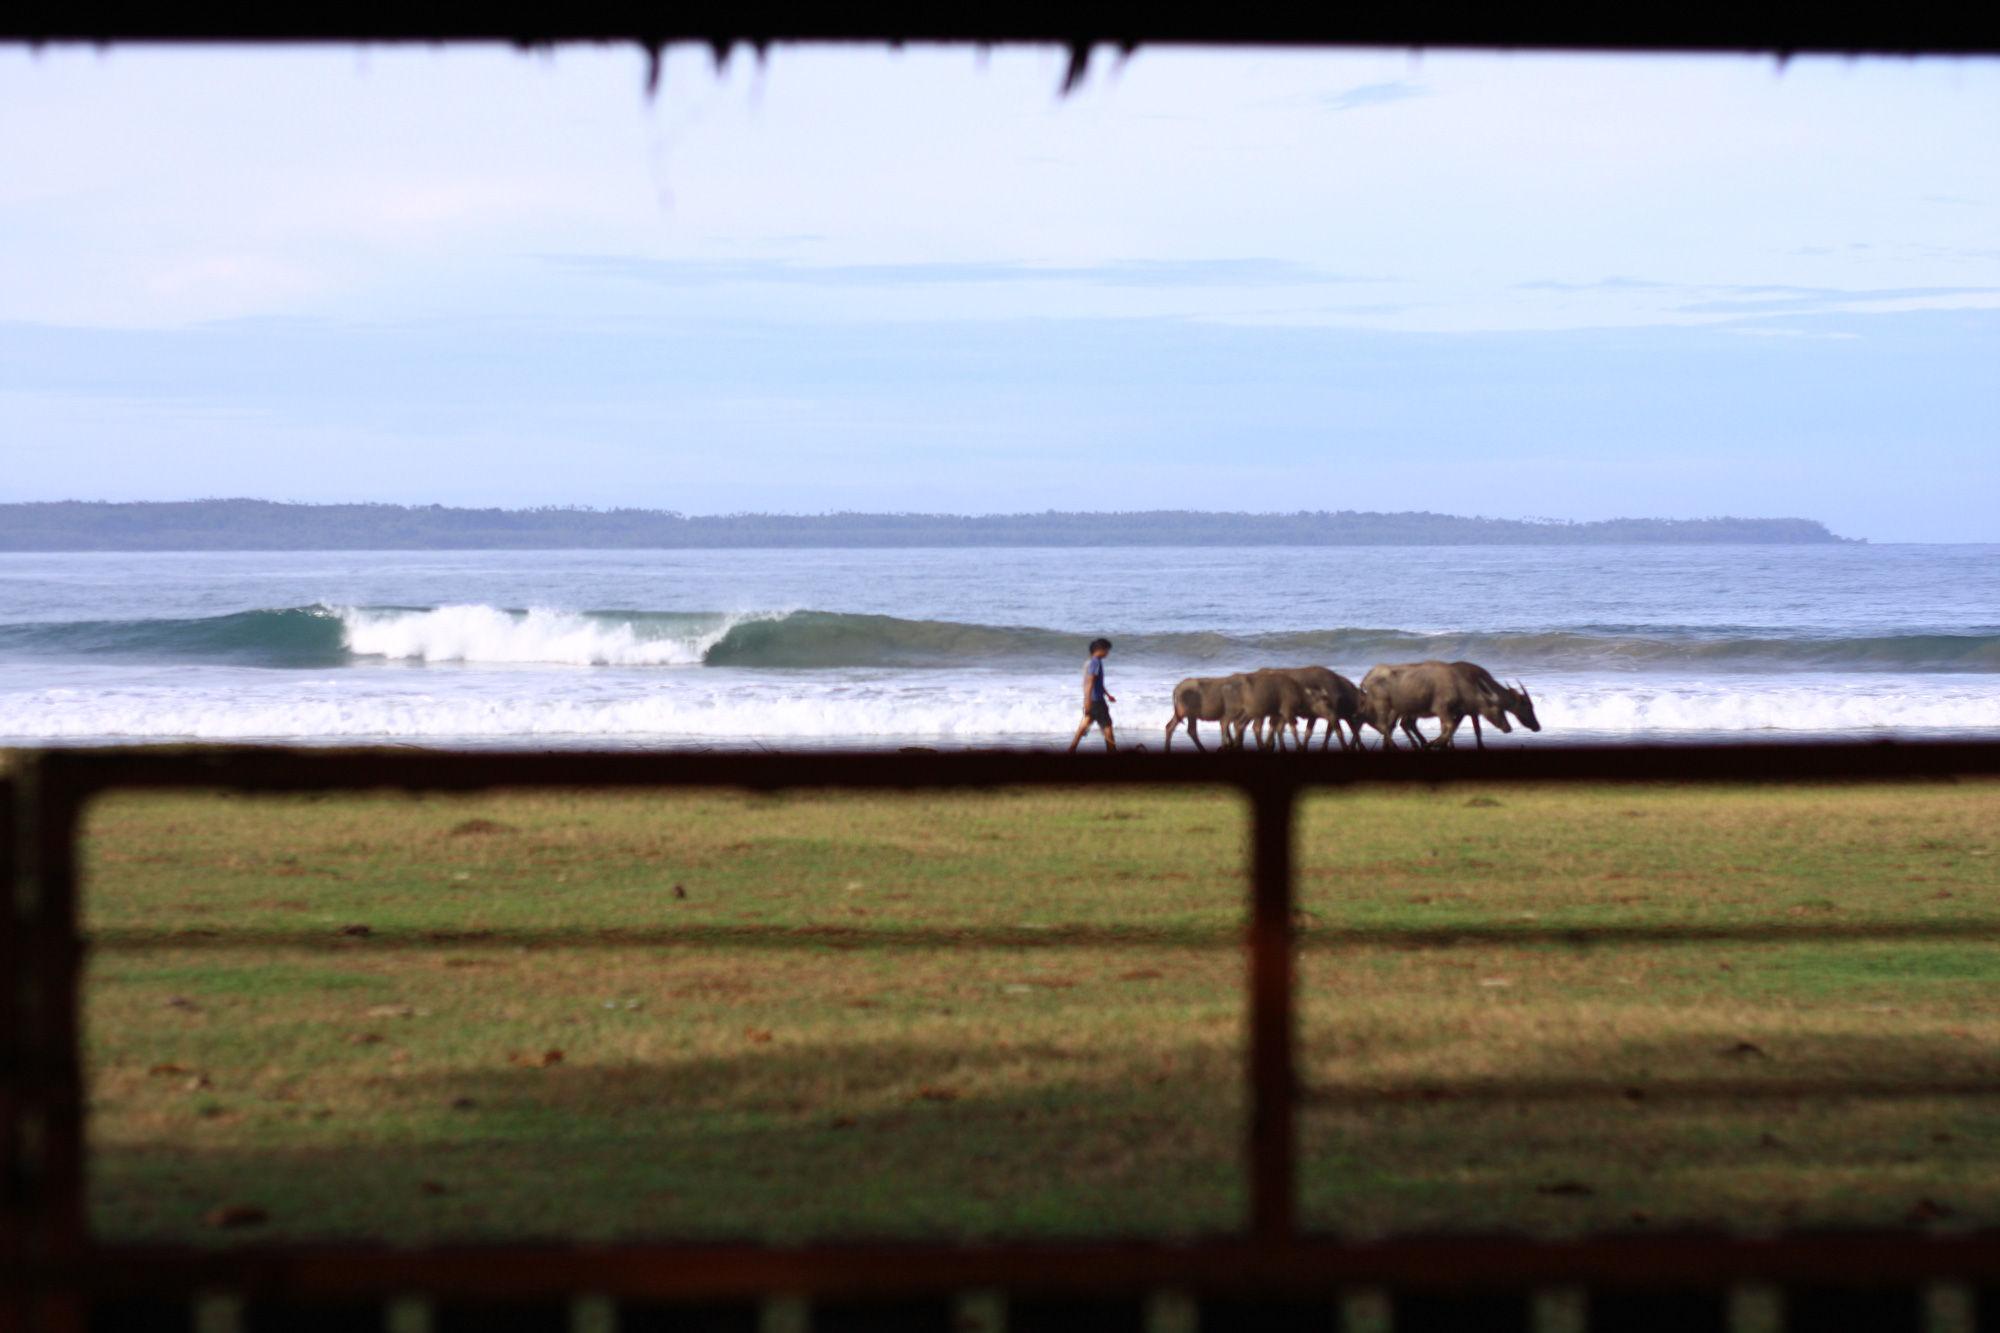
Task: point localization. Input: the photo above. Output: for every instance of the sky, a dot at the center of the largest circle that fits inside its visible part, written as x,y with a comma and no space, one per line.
1517,285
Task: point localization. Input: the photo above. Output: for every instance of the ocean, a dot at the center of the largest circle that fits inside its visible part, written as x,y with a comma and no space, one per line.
974,647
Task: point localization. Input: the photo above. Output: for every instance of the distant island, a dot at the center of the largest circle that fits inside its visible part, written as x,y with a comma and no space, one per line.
263,525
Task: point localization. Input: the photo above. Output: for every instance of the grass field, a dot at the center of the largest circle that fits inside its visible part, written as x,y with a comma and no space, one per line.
1020,1013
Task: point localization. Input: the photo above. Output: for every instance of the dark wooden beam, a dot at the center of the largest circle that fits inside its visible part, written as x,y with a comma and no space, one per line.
1777,26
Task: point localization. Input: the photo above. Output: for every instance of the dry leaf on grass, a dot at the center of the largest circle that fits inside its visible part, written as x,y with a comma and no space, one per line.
390,1011
462,1103
1567,1189
1927,1210
430,1189
757,1036
1141,974
357,930
197,1083
1744,1048
931,1094
474,827
237,1215
363,1038
842,1122
542,1061
159,1070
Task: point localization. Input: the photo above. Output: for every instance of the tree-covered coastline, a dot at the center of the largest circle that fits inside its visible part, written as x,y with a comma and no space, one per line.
263,525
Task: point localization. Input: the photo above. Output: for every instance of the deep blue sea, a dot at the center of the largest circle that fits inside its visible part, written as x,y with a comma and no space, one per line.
974,647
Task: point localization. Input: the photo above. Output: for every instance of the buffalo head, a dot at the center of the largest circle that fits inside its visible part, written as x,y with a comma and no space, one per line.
1524,708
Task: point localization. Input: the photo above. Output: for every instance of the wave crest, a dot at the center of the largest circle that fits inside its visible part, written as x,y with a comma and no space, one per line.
478,633
324,636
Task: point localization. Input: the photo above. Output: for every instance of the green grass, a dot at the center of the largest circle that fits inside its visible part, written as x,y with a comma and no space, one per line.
1016,1014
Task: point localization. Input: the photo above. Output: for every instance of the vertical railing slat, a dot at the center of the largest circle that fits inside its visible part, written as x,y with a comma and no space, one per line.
1273,1207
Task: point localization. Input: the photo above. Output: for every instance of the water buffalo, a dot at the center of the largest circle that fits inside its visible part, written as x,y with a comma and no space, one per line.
1331,698
1400,694
1198,699
1513,700
1268,701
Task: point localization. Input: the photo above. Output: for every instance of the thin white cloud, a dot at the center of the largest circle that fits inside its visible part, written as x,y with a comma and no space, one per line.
1373,94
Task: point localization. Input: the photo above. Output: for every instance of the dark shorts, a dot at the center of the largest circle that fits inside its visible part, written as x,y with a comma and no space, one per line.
1099,712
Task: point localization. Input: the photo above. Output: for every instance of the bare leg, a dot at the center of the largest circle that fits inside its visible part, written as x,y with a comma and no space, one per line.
1082,730
1110,742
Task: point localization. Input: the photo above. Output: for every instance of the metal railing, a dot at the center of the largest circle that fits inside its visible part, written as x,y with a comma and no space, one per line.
55,1272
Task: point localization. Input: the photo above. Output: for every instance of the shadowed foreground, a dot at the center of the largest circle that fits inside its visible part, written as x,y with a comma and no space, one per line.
1019,1014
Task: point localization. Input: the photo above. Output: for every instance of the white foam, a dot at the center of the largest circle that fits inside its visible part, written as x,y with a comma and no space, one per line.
614,705
442,706
488,634
1788,704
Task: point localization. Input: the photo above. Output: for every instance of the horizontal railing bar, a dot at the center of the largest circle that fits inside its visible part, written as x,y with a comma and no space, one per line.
1057,937
715,1272
1926,27
258,768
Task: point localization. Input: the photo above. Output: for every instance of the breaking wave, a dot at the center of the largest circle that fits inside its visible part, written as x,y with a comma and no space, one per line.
327,636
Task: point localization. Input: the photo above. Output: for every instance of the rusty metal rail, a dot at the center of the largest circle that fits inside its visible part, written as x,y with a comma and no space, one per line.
53,1269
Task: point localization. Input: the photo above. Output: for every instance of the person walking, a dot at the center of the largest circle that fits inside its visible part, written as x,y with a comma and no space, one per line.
1097,700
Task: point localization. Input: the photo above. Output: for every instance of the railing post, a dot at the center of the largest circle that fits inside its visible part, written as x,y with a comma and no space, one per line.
1272,1187
43,956
13,1084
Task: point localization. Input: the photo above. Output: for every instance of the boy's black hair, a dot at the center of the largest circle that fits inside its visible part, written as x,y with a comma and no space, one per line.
1105,644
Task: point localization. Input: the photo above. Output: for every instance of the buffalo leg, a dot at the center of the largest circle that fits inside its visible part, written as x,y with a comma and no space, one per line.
1477,739
1195,736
